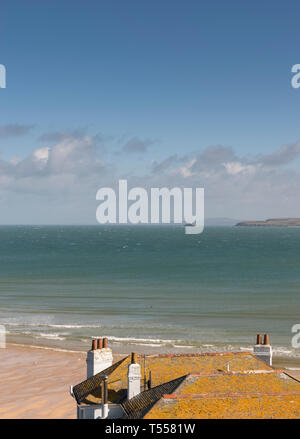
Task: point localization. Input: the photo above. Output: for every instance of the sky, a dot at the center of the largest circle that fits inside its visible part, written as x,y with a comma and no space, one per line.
163,93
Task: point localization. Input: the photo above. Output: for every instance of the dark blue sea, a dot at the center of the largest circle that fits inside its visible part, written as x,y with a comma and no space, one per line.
150,288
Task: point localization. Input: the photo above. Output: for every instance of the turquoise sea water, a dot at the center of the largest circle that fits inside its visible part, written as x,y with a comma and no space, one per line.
150,288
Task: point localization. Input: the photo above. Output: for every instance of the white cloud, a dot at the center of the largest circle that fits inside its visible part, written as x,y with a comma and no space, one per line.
41,155
58,183
234,168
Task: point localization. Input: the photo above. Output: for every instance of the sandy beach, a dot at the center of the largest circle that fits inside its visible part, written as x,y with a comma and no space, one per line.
35,382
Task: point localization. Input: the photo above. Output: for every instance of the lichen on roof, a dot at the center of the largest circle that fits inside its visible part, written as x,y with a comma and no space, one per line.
241,395
164,368
251,407
243,383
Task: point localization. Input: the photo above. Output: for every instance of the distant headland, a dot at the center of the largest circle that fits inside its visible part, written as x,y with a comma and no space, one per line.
272,222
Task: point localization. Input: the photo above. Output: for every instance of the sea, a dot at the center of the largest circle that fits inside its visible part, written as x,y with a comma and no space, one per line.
150,289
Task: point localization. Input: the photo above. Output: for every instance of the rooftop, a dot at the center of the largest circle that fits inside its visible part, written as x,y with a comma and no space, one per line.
164,368
281,406
220,385
268,394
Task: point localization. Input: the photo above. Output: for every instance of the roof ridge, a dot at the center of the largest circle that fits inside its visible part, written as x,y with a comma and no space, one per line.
197,354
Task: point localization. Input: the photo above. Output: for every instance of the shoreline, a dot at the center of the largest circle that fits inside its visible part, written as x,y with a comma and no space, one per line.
279,361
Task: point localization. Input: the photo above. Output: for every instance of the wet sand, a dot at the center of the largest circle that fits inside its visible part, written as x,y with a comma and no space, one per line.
35,381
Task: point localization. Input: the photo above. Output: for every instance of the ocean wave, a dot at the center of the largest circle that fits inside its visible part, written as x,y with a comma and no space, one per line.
50,336
154,345
285,352
142,340
48,325
58,333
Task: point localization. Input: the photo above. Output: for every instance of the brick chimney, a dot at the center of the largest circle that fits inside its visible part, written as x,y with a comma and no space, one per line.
99,357
263,351
133,377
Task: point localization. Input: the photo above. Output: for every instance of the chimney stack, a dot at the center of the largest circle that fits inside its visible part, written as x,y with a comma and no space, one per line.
104,398
133,377
263,351
99,357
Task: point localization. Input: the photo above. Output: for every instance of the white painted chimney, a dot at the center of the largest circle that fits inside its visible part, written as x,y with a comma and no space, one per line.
99,357
104,399
133,377
263,351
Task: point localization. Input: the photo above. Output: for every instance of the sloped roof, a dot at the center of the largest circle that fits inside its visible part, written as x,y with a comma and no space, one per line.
138,406
281,406
243,382
92,386
164,368
264,394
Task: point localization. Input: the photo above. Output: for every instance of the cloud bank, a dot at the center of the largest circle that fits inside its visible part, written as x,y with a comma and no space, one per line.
58,182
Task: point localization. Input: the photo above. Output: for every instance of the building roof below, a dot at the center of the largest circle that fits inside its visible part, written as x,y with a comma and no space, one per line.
280,406
163,368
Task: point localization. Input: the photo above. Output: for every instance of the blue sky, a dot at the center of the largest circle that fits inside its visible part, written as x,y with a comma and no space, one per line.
166,77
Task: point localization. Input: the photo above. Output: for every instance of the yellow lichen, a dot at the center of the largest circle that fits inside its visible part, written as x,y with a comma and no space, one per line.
242,383
267,407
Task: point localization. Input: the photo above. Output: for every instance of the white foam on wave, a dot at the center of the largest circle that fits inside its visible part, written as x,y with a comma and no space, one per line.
284,352
47,325
74,326
43,331
142,340
154,345
51,336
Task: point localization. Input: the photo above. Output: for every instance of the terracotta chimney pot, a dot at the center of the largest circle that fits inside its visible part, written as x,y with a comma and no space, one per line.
94,344
259,339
